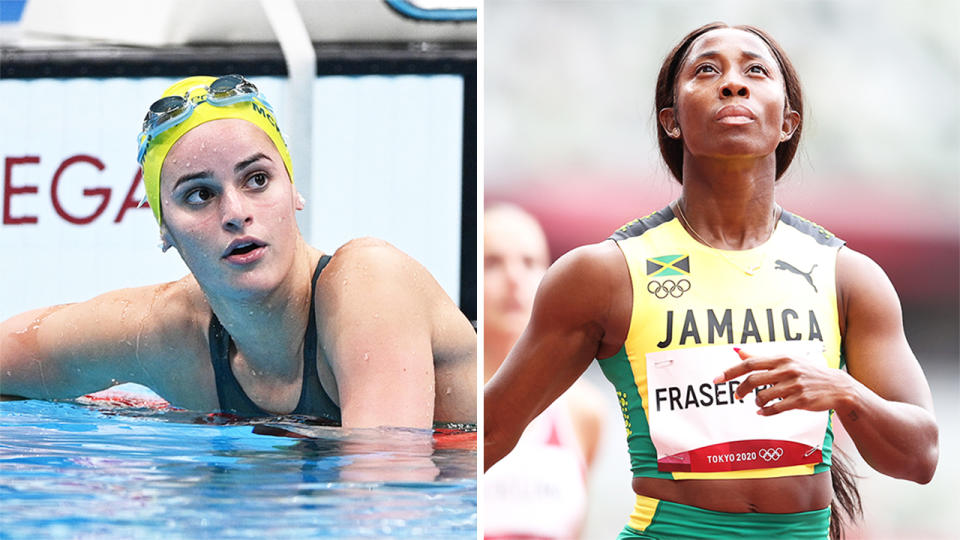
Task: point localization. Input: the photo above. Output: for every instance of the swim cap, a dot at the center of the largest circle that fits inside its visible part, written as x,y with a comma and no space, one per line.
195,89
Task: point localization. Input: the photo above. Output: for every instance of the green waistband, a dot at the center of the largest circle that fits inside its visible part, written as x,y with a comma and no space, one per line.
679,521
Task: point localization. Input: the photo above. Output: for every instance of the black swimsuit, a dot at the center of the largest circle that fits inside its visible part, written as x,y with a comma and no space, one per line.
314,401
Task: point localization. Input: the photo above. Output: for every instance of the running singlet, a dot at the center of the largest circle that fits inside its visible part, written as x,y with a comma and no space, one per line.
314,401
692,305
539,490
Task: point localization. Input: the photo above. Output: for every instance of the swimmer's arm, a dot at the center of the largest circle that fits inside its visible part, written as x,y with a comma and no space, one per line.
65,351
888,408
571,315
455,360
377,338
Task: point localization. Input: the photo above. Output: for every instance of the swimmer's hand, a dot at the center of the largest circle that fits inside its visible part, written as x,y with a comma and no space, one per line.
792,384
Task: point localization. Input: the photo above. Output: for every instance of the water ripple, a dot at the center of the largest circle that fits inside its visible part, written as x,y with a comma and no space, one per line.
72,471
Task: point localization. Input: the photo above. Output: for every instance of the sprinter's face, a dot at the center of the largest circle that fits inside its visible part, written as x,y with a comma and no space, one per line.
730,98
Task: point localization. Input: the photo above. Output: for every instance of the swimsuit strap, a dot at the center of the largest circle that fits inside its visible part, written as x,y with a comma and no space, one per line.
312,394
230,394
314,400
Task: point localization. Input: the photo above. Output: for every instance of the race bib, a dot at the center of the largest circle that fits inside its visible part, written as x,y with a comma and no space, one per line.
699,426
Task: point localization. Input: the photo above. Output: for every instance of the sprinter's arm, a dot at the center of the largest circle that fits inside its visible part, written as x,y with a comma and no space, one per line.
581,312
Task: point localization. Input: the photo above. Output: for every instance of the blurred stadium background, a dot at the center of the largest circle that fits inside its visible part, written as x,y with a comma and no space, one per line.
569,134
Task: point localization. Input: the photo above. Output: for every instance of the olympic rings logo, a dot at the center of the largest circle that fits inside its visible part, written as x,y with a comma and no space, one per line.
770,454
668,287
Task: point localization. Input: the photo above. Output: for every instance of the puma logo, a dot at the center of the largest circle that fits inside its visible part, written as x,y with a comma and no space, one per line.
784,265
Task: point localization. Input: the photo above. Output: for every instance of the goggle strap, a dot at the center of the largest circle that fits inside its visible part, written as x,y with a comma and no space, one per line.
243,90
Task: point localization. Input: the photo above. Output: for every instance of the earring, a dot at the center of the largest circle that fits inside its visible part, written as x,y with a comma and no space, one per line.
675,132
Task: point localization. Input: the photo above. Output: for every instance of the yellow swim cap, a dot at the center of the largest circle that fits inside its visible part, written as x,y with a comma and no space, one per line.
155,143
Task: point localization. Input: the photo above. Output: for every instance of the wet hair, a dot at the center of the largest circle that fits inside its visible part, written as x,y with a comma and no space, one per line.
672,149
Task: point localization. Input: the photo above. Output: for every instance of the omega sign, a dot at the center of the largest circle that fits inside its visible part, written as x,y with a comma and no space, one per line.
17,167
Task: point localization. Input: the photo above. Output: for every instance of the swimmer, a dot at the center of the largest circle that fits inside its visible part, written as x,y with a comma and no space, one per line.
540,489
682,302
263,324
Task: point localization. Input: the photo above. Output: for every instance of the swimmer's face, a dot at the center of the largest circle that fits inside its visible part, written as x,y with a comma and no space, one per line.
730,98
228,207
515,257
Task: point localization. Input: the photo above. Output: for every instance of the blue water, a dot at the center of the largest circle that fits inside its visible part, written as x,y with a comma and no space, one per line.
79,471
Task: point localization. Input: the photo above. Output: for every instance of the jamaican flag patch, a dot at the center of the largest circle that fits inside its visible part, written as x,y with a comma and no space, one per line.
669,265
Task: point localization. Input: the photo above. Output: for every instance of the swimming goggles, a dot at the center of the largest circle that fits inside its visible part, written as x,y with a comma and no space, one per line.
170,111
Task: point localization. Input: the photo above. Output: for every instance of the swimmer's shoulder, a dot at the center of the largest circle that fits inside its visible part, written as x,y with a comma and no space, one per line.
163,310
367,250
184,306
366,267
142,334
369,277
172,326
173,307
167,321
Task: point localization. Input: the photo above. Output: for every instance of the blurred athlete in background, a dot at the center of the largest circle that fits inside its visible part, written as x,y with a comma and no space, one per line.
540,490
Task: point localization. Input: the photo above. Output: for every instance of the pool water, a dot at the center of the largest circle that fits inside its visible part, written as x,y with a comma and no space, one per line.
70,470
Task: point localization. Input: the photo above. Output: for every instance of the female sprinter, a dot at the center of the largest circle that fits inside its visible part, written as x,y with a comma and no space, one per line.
264,324
722,320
